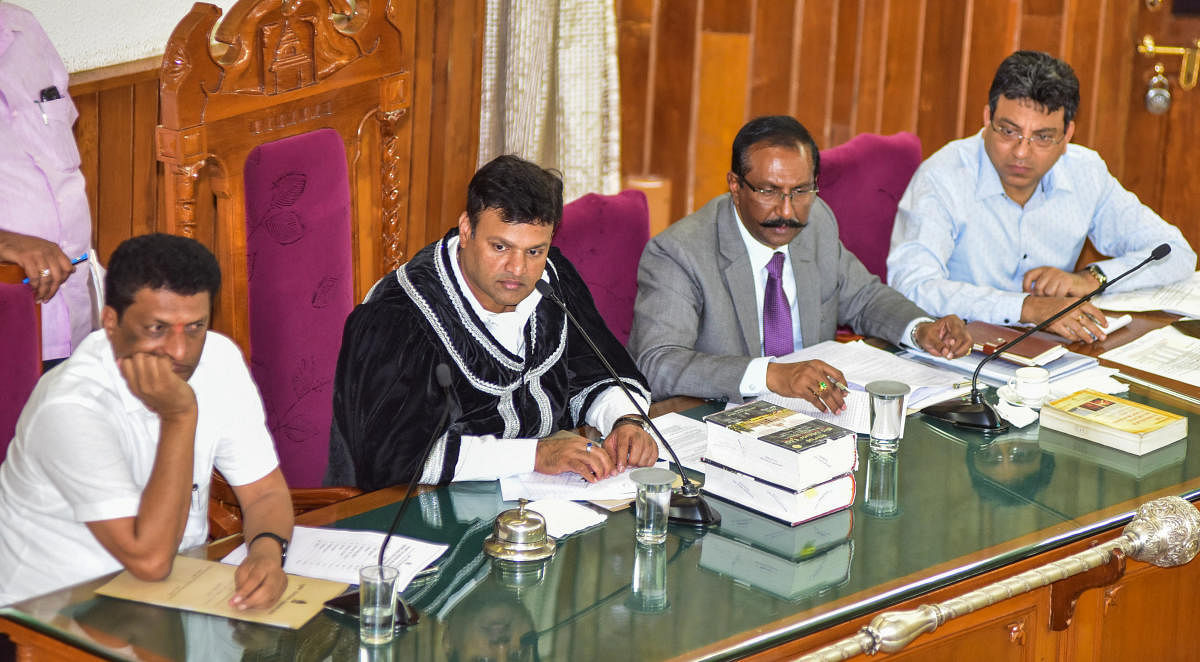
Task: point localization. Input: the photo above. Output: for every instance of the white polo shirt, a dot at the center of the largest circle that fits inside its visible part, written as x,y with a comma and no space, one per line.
83,451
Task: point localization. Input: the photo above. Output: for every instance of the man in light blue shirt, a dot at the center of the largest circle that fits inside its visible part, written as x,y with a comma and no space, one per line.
991,226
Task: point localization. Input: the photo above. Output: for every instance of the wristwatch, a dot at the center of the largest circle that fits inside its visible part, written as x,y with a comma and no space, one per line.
912,335
1097,273
283,544
631,419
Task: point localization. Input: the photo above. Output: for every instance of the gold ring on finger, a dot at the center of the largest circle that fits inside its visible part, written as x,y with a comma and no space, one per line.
822,386
44,272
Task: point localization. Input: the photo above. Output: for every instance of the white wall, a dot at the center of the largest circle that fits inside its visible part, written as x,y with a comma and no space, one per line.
97,33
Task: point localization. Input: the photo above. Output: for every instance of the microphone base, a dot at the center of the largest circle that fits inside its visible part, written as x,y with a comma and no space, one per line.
961,412
406,614
689,508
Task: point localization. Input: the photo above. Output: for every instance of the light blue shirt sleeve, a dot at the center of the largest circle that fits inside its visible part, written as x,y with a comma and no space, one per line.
1126,228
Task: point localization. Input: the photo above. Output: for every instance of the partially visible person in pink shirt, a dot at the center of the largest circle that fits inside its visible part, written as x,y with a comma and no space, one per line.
44,218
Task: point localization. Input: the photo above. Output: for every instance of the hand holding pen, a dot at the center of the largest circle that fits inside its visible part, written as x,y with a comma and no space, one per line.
43,261
46,281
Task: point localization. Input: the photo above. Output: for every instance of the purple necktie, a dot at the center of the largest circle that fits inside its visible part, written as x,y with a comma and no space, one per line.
777,315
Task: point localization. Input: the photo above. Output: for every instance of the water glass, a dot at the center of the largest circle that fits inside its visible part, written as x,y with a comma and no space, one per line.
649,584
887,414
653,503
883,485
377,604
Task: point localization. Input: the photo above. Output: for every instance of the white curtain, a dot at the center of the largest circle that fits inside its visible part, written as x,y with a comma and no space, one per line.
551,89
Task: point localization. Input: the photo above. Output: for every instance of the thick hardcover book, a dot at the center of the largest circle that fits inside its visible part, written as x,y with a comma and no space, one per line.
786,578
1114,422
790,542
790,506
1038,349
779,445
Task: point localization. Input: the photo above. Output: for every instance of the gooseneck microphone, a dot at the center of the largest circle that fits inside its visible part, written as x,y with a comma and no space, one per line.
442,373
975,413
687,505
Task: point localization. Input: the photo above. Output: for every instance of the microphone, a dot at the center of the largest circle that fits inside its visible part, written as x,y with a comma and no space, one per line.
406,615
975,413
687,506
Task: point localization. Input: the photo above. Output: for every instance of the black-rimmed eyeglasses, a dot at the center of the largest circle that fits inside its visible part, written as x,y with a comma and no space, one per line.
1010,135
773,196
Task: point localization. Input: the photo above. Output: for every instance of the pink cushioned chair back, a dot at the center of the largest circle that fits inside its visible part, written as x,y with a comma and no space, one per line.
862,181
20,355
300,290
603,236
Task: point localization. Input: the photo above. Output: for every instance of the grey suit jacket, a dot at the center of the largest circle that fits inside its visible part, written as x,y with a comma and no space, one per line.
695,325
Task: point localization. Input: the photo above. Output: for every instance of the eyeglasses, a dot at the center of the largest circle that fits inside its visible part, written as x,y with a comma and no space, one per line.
771,196
1039,141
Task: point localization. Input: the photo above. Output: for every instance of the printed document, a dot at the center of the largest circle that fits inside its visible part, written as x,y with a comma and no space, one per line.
338,554
206,587
1182,298
569,485
1165,352
862,364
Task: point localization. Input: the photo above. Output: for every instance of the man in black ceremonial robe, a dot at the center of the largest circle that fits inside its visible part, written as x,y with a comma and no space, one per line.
520,373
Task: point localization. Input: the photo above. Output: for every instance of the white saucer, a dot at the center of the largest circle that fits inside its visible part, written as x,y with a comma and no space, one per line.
1007,394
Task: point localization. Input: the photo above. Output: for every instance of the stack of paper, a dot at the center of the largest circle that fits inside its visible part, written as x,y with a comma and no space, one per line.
568,486
688,436
338,554
997,372
1165,352
862,364
1182,298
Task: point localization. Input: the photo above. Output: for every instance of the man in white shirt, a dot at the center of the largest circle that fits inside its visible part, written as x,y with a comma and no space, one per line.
520,372
113,453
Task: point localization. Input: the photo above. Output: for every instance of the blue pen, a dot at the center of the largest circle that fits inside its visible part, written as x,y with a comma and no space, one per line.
77,260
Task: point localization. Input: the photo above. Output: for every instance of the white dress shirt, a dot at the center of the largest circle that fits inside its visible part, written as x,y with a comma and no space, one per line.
754,381
85,448
487,457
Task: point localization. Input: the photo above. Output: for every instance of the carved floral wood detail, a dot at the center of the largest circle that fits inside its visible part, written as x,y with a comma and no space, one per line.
269,69
262,50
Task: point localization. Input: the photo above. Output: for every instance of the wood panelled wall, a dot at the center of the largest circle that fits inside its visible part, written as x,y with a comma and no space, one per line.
118,111
693,71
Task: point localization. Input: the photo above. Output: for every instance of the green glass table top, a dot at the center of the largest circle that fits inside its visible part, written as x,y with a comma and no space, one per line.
963,504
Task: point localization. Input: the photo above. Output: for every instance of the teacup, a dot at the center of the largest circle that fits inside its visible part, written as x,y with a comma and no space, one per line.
1030,385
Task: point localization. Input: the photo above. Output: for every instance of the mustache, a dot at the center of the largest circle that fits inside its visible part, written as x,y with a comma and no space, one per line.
780,222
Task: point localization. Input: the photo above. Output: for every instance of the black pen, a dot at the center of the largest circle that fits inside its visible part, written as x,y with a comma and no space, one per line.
77,260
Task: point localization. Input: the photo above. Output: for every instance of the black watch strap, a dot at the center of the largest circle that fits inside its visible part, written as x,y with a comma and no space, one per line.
283,544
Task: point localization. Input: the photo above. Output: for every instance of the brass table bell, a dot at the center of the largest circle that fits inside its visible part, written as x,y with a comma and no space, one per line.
520,535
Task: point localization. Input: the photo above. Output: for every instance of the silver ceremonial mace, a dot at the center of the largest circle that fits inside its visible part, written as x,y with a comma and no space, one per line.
1164,532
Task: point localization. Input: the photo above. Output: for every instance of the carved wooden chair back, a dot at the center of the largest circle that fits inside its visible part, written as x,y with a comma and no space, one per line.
285,142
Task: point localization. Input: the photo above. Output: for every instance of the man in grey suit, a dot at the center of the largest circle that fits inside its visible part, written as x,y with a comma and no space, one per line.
714,289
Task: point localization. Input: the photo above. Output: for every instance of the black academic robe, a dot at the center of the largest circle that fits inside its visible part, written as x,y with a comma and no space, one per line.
386,401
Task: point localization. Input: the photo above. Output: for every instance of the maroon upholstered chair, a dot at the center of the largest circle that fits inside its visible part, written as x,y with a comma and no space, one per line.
862,181
301,288
20,349
603,236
